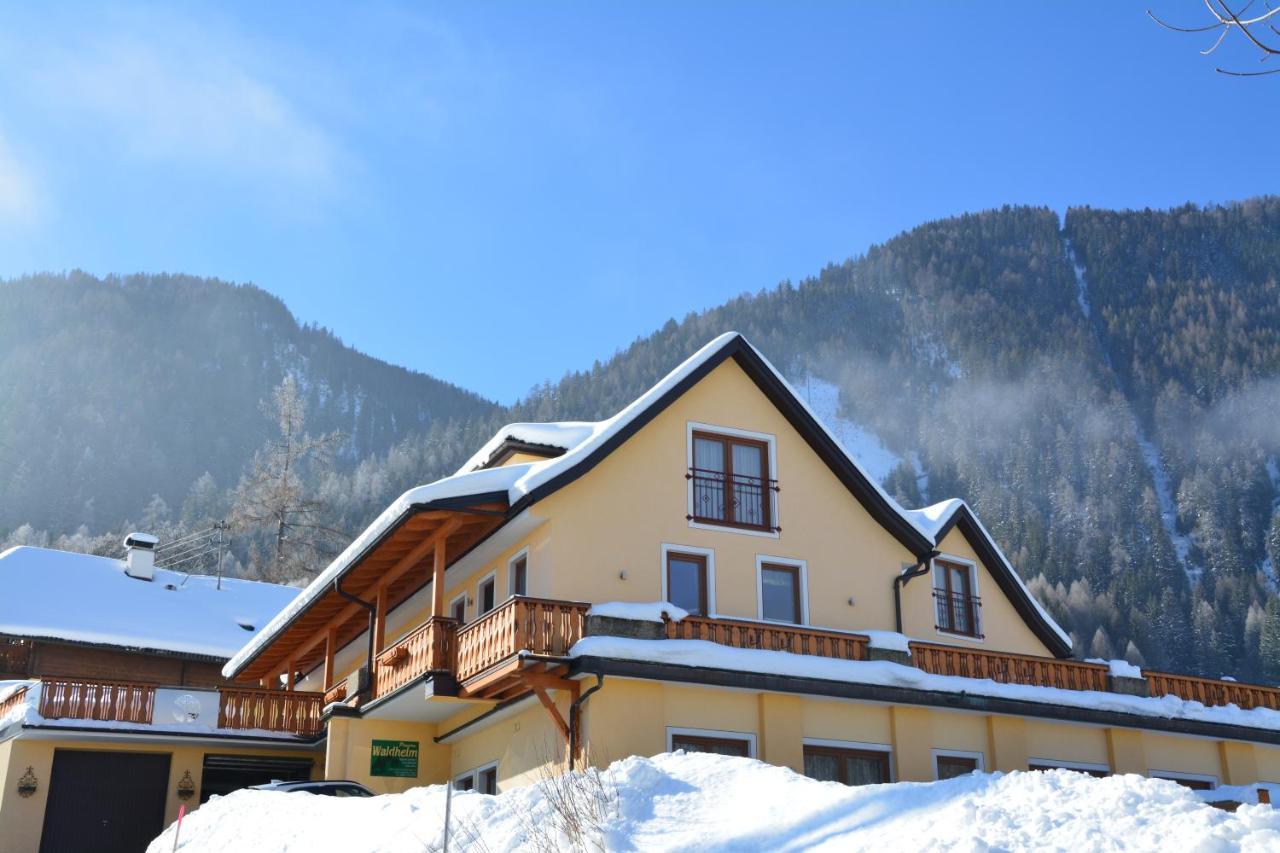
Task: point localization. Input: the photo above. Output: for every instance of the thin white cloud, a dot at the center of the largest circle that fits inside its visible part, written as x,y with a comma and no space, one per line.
22,199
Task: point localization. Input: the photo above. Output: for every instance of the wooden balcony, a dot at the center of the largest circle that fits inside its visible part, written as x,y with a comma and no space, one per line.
428,649
13,700
1009,668
109,701
520,626
293,711
1211,691
741,634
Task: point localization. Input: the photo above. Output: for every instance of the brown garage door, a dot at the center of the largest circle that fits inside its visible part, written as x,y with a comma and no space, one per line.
111,802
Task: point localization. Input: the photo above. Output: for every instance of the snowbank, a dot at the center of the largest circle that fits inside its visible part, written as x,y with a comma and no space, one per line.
702,653
719,803
640,611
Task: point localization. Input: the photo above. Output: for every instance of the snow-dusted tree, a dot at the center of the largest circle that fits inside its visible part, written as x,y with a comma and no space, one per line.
274,498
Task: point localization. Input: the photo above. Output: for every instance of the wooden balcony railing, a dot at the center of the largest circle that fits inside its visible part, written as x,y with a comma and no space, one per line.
1009,668
533,625
767,635
15,656
116,701
13,700
336,693
430,648
292,711
1209,691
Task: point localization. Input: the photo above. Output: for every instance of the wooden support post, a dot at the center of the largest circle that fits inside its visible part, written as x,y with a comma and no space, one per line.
330,641
437,579
550,705
540,683
380,621
289,676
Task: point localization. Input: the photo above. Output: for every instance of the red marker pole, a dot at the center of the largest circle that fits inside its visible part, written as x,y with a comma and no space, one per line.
182,809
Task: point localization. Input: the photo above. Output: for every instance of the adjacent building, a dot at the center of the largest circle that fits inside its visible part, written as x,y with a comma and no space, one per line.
113,710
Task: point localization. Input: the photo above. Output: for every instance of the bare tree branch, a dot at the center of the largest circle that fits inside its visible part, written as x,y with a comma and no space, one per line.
1227,20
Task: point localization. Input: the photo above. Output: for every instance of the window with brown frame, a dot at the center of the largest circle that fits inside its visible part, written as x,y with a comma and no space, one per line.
687,582
1048,765
951,766
731,482
520,575
956,607
488,595
708,743
487,780
458,609
780,593
1193,784
846,766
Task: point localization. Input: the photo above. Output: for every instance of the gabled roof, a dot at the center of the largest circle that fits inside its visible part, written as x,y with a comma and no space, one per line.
82,598
587,443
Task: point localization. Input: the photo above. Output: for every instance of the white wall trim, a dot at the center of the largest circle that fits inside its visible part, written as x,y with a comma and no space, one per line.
749,737
957,753
474,775
803,566
1187,777
770,440
511,575
708,553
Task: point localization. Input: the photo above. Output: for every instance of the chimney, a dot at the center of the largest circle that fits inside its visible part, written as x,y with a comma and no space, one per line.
140,555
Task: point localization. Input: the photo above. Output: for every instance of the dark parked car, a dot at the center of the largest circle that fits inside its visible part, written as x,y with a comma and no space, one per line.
323,787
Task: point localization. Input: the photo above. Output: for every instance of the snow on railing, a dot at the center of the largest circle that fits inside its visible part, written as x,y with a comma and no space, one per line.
111,701
1210,691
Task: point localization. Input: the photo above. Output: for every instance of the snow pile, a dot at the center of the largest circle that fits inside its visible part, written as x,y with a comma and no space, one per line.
891,640
1119,668
639,611
684,801
702,653
84,598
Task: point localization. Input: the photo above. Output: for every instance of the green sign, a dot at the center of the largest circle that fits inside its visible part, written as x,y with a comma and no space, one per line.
394,758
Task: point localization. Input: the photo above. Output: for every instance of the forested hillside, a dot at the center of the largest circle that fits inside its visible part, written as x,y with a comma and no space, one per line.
1103,390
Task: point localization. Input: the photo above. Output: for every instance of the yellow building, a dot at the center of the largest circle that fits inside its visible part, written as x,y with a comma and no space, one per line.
710,570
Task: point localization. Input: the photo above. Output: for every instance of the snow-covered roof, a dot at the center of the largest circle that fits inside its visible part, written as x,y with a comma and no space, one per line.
581,441
82,598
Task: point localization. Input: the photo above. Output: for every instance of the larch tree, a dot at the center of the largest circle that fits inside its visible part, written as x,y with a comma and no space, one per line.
274,498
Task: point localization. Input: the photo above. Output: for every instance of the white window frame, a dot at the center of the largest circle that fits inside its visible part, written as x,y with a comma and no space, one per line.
463,597
973,586
511,575
1070,765
865,746
474,775
957,753
803,578
708,553
1174,776
491,576
749,737
770,440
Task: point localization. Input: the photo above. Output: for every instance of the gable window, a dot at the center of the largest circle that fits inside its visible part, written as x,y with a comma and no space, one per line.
731,481
955,603
687,581
488,594
781,591
519,573
846,765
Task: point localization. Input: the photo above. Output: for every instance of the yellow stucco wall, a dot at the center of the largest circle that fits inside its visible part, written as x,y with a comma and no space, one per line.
1060,742
22,819
350,743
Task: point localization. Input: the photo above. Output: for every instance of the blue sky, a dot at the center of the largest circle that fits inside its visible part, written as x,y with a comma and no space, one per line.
498,193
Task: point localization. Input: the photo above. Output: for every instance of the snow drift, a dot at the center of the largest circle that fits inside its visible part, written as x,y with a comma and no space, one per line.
684,801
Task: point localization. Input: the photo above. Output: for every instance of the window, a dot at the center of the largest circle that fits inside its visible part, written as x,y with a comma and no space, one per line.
731,484
781,592
487,594
719,743
1097,771
1189,780
518,570
687,581
458,609
845,765
482,779
949,765
956,605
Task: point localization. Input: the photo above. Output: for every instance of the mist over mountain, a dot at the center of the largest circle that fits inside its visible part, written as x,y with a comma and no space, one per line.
1105,391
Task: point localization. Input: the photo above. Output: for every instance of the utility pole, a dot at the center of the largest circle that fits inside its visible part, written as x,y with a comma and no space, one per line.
220,526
